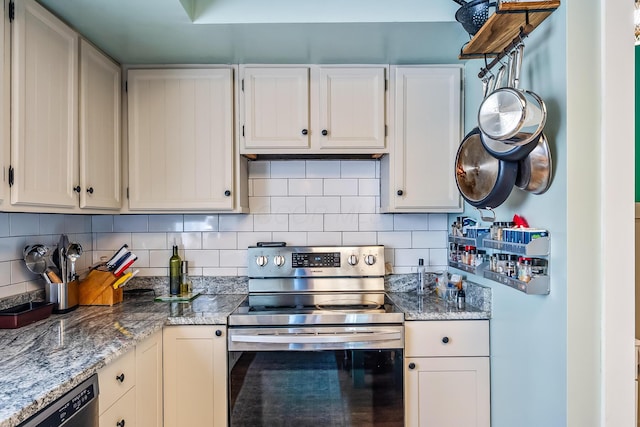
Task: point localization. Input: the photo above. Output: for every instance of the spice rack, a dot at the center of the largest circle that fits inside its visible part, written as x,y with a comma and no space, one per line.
538,285
512,21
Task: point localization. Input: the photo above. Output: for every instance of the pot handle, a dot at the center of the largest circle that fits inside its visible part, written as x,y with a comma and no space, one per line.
487,218
516,65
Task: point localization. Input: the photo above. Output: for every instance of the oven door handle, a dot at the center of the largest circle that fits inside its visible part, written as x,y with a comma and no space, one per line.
315,338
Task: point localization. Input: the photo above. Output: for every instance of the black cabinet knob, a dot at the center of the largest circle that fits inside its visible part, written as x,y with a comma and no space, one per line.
412,365
218,333
120,423
445,340
77,188
227,193
90,190
400,192
304,131
324,132
120,377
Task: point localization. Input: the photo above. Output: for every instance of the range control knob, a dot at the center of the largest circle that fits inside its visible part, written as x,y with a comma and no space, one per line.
278,260
370,259
262,260
352,260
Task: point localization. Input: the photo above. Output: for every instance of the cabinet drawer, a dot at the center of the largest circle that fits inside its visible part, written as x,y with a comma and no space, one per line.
116,379
447,338
121,413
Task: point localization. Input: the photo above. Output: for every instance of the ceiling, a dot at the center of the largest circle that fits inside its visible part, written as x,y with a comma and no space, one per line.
278,31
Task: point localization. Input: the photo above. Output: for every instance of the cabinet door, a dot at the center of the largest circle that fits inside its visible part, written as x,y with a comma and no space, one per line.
351,108
99,130
427,122
195,376
149,382
276,108
447,392
181,139
44,108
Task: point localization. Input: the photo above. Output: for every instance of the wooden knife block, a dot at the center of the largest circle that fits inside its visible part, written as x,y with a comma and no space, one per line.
97,289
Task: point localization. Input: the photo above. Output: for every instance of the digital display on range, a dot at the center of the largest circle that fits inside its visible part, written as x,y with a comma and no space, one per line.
318,259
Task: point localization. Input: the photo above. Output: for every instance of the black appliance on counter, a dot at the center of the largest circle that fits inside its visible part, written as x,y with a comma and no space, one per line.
317,341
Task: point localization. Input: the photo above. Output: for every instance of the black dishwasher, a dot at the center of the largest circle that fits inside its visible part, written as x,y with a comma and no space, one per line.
77,408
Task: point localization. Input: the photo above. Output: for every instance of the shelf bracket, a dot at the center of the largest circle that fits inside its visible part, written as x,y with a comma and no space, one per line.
524,32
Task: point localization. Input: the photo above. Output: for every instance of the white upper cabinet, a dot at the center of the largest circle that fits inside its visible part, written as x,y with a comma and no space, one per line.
181,139
426,111
313,109
99,130
44,109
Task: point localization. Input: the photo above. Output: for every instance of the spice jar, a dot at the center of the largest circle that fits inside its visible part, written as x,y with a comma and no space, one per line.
538,266
524,269
502,264
511,266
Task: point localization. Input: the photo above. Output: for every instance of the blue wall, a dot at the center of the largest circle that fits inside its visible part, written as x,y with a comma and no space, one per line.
529,333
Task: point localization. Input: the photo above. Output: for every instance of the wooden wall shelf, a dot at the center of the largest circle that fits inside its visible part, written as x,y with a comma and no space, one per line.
511,20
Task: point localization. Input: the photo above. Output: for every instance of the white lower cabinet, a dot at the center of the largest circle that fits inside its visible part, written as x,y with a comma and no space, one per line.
131,387
195,376
447,373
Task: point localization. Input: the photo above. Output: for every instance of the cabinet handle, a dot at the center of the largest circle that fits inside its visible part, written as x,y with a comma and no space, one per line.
412,365
304,131
400,192
227,193
325,132
120,423
90,190
445,340
218,333
120,377
77,188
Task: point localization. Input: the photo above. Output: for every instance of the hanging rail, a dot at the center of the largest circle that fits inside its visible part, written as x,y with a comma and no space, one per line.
524,32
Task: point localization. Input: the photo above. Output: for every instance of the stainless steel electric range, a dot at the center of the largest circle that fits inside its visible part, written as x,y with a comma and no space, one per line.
316,323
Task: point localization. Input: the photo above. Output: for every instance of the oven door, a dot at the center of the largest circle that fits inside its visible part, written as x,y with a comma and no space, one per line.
338,376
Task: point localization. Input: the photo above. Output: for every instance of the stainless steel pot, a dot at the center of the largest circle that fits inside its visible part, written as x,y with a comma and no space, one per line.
483,180
511,115
535,171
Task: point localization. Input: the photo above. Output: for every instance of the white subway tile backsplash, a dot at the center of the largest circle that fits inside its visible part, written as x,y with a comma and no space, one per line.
305,187
201,223
306,222
52,224
359,238
236,222
110,241
438,258
237,258
323,204
341,222
160,258
323,169
358,169
4,224
185,240
148,241
438,222
324,238
251,239
291,238
14,289
20,272
288,169
410,222
203,258
166,223
5,273
220,240
429,239
77,223
353,205
12,247
373,222
21,224
260,205
288,205
368,187
143,259
131,223
259,169
222,271
159,272
340,187
409,257
104,223
270,187
395,239
271,222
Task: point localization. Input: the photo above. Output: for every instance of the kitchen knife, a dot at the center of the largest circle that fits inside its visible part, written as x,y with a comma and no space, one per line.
125,264
121,259
121,280
120,253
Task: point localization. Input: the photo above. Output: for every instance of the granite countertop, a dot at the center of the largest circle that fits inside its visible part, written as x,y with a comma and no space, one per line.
42,361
